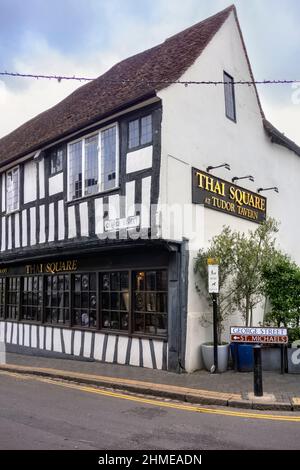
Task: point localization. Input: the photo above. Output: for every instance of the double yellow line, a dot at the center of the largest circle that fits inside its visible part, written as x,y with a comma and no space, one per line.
154,402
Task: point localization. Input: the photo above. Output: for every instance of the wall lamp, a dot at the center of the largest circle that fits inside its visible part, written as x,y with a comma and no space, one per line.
274,188
248,177
225,165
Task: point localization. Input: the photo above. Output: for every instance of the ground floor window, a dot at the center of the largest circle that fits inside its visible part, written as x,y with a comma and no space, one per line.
13,296
85,300
57,298
2,297
128,301
32,298
150,302
115,300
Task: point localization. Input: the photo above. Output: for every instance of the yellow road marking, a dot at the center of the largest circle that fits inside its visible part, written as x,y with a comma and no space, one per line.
149,401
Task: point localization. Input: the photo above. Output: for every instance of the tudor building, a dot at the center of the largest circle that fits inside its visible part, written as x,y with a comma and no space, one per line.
92,263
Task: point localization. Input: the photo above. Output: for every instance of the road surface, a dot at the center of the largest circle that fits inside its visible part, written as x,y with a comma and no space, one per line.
38,413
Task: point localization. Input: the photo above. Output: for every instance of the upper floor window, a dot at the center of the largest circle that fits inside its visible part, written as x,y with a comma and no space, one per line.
93,163
230,109
12,189
56,161
140,132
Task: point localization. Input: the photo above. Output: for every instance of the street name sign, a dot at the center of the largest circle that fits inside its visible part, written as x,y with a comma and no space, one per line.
262,335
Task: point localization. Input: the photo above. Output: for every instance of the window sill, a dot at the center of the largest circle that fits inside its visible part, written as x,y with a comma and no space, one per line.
93,196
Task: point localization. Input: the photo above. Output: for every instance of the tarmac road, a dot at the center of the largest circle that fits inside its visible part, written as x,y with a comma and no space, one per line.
38,413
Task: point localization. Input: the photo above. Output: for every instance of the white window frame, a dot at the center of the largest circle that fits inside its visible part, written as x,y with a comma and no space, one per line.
82,140
19,189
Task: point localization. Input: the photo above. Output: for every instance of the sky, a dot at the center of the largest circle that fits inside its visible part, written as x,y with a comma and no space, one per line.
86,37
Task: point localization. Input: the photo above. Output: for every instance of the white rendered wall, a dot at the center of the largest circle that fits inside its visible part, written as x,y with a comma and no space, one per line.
196,133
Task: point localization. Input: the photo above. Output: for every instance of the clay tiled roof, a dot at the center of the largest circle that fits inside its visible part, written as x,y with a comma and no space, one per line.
132,80
144,74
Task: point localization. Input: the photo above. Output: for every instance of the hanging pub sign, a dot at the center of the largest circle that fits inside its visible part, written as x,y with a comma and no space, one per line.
218,194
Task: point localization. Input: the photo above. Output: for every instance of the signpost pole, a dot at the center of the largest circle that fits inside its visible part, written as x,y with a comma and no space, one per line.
213,288
215,327
257,371
282,359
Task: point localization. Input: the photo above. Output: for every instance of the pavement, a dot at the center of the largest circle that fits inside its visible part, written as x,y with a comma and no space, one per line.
234,389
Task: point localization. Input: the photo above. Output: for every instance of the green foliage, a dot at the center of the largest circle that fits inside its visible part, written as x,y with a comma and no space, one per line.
293,334
252,254
242,259
282,286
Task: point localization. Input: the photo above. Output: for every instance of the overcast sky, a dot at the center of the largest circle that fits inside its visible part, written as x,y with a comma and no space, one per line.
86,37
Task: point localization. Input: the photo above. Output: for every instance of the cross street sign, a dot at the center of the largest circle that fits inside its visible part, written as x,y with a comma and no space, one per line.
213,278
258,335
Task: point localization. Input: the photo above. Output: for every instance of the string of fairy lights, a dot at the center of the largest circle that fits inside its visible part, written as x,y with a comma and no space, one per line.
125,81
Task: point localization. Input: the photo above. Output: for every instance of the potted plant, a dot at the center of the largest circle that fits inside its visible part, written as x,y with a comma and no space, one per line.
253,253
220,248
242,260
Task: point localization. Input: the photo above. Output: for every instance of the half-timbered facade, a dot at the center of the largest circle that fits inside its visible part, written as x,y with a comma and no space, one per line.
90,263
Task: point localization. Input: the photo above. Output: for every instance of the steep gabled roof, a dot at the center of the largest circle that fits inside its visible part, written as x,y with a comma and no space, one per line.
279,138
143,75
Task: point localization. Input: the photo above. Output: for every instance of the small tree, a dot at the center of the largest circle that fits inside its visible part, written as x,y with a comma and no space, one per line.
282,287
252,254
221,248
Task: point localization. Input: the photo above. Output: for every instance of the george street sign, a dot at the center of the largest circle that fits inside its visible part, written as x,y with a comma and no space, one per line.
265,335
258,330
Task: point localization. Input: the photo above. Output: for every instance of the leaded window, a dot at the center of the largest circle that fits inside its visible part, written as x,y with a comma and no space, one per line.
140,132
56,161
150,302
108,158
2,297
32,298
92,163
12,190
85,300
57,298
115,300
230,109
13,293
75,170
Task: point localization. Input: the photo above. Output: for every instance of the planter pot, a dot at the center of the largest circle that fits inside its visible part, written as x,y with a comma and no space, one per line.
244,353
294,360
207,350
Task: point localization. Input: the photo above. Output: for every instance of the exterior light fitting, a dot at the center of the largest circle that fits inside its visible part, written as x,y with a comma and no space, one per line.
248,177
225,165
274,188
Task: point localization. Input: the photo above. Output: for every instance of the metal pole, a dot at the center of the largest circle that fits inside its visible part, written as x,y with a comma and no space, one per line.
257,371
215,327
282,358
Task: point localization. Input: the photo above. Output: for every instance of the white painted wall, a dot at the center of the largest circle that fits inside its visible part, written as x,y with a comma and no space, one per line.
195,132
140,159
30,181
56,184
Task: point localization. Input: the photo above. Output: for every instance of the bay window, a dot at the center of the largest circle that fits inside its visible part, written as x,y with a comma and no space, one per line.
93,163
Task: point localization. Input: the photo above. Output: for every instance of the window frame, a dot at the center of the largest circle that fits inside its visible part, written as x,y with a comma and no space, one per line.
99,311
17,167
56,149
82,139
226,78
139,119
